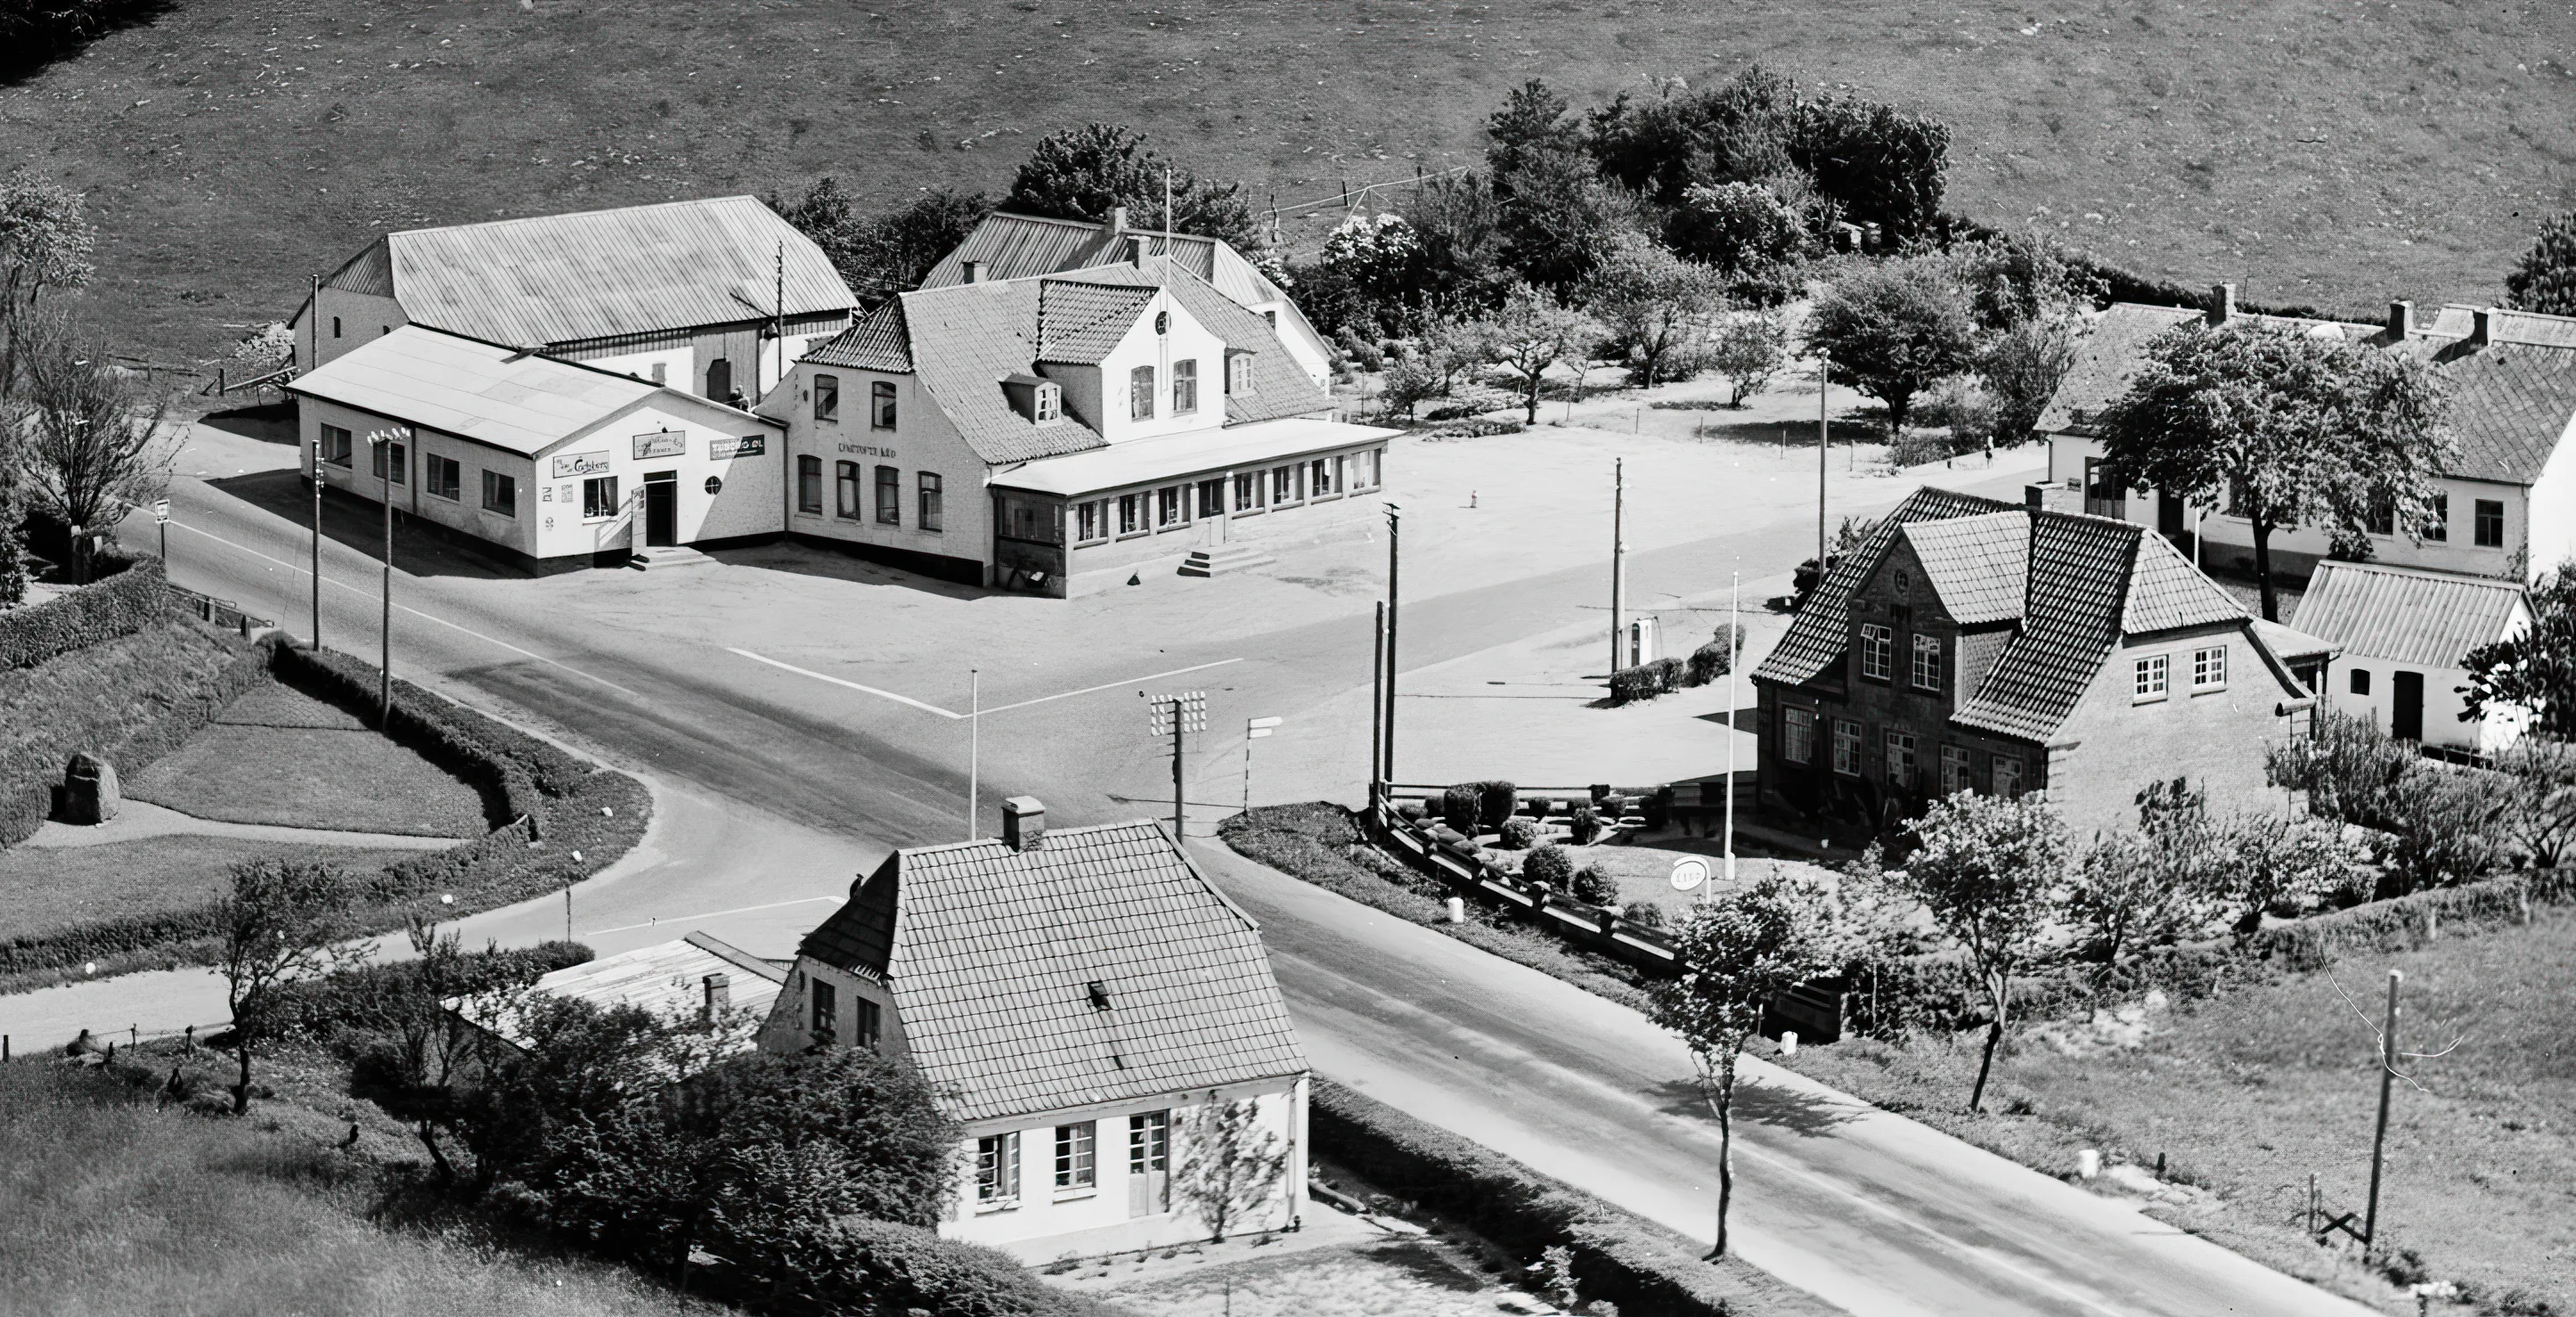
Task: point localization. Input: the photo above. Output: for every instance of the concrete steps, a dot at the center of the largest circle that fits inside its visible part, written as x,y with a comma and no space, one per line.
1225,558
668,557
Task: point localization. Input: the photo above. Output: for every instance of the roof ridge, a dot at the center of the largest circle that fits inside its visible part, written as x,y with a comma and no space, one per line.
577,214
2422,573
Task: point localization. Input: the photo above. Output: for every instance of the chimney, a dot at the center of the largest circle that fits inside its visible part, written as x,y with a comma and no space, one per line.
1136,250
1023,823
973,271
2222,303
2401,321
2483,330
719,996
1117,219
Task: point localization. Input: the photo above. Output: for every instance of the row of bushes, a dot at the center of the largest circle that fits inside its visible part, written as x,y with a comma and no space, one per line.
1618,1255
133,707
439,729
1663,676
120,606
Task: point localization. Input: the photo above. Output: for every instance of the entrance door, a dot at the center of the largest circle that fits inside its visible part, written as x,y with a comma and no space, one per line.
1149,1163
2168,515
661,509
720,379
2406,706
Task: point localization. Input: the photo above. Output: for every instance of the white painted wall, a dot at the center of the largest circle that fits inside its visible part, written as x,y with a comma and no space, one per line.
679,364
1185,339
2553,507
362,318
745,503
922,440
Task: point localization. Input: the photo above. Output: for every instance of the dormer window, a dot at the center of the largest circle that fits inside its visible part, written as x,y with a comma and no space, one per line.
1238,373
1049,402
1035,398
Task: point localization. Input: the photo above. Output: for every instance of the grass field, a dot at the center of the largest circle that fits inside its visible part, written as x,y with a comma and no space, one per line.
2339,154
2247,1093
42,890
109,1207
280,757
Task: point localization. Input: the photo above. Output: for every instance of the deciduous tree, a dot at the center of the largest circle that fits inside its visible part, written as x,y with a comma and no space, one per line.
1083,172
1748,349
277,925
93,444
45,246
1992,872
1734,955
2543,817
1654,306
1893,329
887,254
2291,427
1533,332
2545,279
2151,887
1232,1164
2535,670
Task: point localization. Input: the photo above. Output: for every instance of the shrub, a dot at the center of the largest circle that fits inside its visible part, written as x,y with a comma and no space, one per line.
862,1266
1548,867
1585,824
1462,807
2315,941
1646,680
1644,914
1519,834
2345,765
2445,821
1618,1256
122,605
1716,658
1594,887
437,728
1498,800
1657,806
360,1000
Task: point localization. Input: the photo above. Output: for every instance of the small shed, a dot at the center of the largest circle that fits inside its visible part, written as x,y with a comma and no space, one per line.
2404,633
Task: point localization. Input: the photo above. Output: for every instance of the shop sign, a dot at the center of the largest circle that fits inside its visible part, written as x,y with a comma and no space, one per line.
866,450
750,445
667,443
580,464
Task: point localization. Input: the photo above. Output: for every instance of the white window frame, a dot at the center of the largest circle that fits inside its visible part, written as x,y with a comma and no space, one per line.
1185,386
1926,671
1901,773
1140,394
827,398
997,1172
1847,739
1877,652
1957,770
1797,734
594,511
1077,1159
2150,678
2209,669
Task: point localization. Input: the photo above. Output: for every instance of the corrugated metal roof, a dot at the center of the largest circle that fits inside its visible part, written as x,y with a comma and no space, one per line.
2400,615
1976,564
553,280
995,951
1024,246
490,394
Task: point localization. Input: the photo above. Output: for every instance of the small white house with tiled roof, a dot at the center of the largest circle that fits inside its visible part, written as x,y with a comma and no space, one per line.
1007,246
714,295
2404,634
1975,645
2509,501
1077,998
1018,433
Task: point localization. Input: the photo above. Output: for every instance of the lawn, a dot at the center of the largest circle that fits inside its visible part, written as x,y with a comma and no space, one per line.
2247,1093
45,889
277,756
230,150
109,1206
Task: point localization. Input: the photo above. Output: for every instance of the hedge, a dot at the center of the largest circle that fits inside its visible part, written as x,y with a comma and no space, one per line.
1618,1255
120,606
76,722
871,1268
2315,941
1645,681
436,728
354,1000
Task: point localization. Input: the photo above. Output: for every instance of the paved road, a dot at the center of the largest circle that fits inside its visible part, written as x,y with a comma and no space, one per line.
779,787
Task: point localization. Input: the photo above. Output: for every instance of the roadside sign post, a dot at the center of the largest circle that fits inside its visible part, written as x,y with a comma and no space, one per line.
1177,716
161,519
1253,730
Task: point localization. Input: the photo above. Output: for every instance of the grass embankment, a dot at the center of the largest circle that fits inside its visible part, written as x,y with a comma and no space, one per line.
97,697
1319,843
2278,164
42,891
110,1205
279,756
2245,1093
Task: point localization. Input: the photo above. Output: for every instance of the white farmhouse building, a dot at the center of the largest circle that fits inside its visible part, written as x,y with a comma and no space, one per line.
2403,633
1077,998
714,296
2509,502
557,464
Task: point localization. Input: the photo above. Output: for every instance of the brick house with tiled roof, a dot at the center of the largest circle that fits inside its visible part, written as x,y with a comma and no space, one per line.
1020,432
1075,997
1974,645
2509,505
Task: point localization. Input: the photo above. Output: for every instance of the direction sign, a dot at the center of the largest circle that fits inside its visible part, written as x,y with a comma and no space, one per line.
1256,728
1689,874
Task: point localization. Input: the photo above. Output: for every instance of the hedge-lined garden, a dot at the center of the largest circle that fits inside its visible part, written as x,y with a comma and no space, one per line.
120,606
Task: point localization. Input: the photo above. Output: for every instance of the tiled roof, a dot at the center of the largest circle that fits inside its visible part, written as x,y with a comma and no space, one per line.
879,342
965,341
2400,615
2078,585
2167,593
1976,564
2513,399
860,935
1279,387
994,952
558,279
1081,323
1819,635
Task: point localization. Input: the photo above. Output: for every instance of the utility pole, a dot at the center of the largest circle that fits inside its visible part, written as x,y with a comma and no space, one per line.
974,744
317,546
2379,1138
1178,715
778,306
1377,714
1394,559
383,442
1734,653
1824,448
1618,551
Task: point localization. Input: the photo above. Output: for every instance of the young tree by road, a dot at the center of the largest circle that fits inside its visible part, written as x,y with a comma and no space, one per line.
2294,429
1532,332
1735,954
1655,306
1993,873
1894,329
2535,670
1232,1165
277,924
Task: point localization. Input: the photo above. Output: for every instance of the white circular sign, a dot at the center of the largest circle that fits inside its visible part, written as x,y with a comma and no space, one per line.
1688,874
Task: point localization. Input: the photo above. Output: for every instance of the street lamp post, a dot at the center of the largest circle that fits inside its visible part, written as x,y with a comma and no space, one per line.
384,442
1394,559
317,545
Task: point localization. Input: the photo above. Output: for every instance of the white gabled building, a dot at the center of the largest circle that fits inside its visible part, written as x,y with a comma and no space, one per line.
1076,998
2404,633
